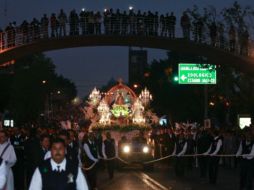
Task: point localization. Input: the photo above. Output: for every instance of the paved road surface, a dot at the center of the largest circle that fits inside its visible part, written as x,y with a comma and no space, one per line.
163,178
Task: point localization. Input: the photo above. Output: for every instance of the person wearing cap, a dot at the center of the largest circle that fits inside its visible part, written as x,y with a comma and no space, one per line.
91,159
58,172
246,152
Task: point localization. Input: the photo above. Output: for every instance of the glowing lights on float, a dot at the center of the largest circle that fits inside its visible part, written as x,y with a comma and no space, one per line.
120,106
138,112
95,97
104,112
145,97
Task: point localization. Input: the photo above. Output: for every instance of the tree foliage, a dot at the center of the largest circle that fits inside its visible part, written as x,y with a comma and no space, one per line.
31,86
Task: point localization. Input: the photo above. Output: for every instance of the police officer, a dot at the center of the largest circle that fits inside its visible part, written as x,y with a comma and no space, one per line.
91,157
72,151
58,173
109,152
170,144
3,174
8,155
246,151
180,150
190,149
41,151
17,140
215,149
73,147
121,144
32,145
204,141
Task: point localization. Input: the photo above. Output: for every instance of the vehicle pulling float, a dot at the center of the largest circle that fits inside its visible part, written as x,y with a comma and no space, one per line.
127,116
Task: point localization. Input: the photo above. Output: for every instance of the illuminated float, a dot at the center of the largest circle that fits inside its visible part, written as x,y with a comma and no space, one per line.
120,109
127,116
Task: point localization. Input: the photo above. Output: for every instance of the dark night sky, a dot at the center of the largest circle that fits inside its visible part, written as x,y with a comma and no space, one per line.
94,66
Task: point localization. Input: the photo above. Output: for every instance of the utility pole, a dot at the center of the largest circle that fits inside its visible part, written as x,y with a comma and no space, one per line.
205,101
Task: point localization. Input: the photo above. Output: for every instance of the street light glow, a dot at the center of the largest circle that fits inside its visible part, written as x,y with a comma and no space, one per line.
211,103
130,8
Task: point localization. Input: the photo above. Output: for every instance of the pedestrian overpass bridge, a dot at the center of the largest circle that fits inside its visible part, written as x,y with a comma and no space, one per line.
215,55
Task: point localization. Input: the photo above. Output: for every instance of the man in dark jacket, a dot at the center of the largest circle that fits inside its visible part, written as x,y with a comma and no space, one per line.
109,152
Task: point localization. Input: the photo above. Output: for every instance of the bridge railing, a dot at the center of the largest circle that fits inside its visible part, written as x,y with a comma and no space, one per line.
19,36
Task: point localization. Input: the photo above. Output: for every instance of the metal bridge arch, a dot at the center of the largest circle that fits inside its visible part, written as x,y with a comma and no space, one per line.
215,55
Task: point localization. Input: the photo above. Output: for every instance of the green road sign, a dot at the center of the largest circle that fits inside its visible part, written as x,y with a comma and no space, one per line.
193,73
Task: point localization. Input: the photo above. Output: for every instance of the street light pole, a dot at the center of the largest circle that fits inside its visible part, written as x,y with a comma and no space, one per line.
206,101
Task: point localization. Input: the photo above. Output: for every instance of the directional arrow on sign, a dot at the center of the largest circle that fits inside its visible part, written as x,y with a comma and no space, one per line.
183,77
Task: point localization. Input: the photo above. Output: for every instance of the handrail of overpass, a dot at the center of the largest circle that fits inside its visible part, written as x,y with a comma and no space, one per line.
19,36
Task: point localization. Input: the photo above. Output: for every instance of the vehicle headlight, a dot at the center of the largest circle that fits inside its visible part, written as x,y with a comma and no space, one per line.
145,149
126,149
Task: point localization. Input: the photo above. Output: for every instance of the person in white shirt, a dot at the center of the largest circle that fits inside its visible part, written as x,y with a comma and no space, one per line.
215,150
246,152
58,173
179,150
8,155
3,174
91,159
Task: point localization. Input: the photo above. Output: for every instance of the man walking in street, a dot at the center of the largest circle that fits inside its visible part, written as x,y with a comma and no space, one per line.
3,174
7,154
58,173
109,152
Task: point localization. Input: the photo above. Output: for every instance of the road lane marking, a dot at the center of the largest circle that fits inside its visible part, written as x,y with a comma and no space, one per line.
145,181
151,182
155,182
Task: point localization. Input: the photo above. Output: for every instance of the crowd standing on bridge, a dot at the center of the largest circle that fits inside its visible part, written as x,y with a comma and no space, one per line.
81,154
118,22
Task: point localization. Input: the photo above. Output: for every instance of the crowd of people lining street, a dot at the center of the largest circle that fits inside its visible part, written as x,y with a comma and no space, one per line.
130,22
76,156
